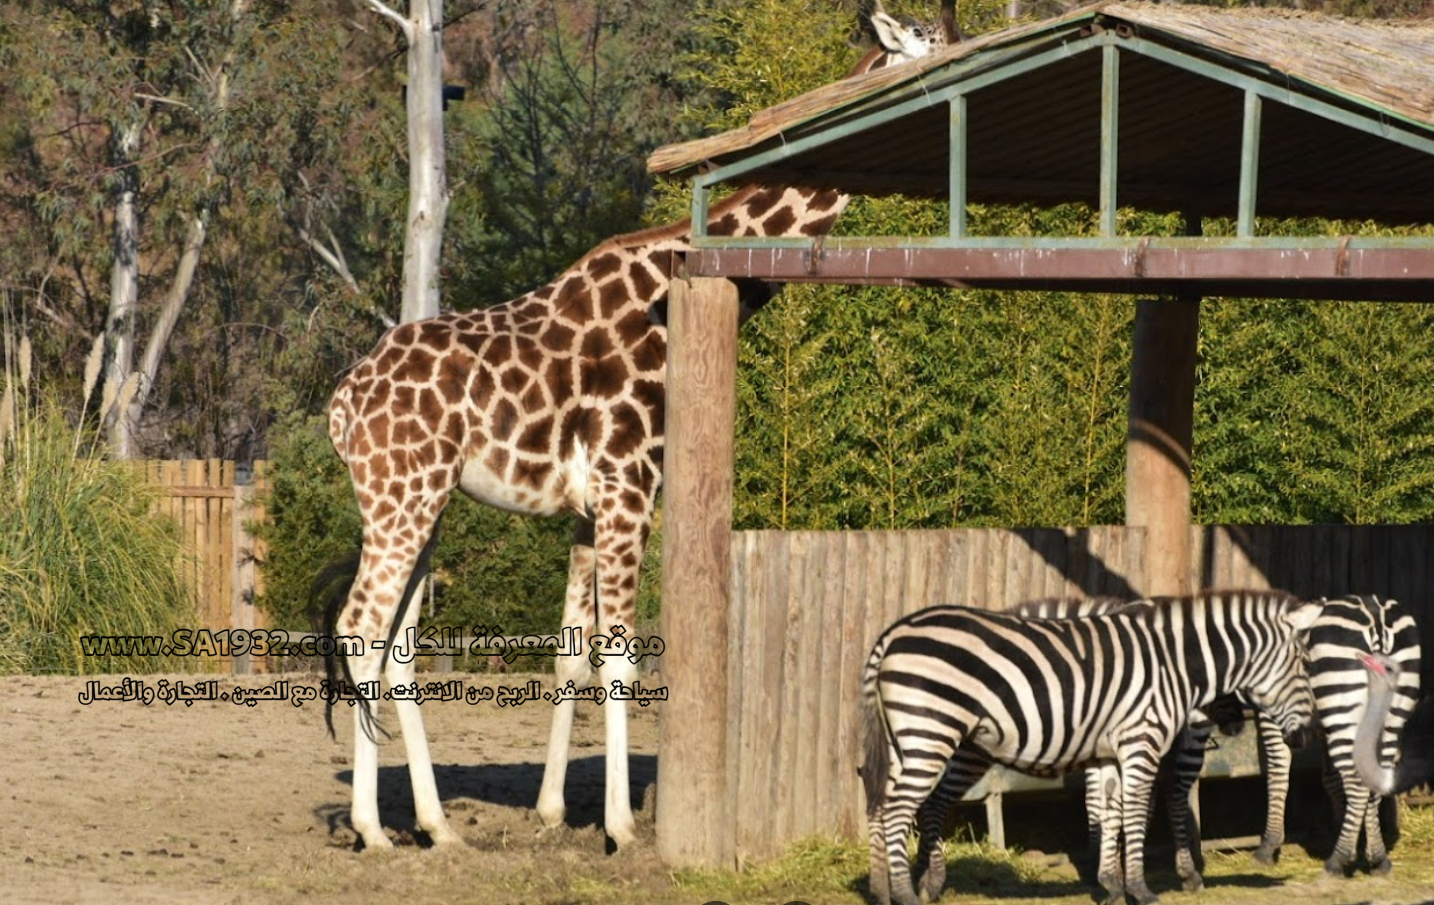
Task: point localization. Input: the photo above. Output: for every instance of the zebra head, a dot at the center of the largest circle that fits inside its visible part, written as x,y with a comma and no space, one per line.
1280,687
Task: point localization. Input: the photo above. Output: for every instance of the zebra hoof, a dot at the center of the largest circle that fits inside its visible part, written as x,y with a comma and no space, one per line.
1115,891
932,884
1192,883
1144,896
905,896
1267,855
1382,867
1336,866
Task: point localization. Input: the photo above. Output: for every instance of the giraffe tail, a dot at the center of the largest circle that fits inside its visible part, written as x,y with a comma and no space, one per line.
327,596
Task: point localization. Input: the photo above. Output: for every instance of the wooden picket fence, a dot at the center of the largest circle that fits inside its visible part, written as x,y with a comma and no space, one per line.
213,504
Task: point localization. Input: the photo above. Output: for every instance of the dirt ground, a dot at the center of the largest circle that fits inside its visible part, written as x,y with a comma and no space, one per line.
122,802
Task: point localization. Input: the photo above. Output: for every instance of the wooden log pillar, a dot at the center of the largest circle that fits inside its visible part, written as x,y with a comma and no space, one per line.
1161,421
694,825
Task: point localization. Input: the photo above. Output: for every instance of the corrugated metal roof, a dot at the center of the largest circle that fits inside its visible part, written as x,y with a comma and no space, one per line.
1034,128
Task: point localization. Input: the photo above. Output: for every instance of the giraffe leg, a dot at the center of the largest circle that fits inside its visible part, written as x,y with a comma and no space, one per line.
363,815
427,807
622,531
578,615
392,552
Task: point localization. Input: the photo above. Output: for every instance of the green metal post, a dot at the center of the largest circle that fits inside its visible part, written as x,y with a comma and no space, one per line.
958,166
1249,166
699,207
1109,135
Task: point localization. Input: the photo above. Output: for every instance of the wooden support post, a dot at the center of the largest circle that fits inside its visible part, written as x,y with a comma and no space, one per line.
694,826
1157,464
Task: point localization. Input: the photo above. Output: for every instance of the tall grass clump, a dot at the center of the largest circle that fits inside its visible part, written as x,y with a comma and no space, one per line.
82,549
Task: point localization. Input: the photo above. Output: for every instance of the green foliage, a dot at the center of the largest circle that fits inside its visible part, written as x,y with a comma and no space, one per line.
83,551
553,161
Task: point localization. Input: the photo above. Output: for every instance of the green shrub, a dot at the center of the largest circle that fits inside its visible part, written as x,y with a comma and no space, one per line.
82,551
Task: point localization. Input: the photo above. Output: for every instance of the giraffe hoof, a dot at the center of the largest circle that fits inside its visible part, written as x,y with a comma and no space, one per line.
377,842
552,817
444,835
624,837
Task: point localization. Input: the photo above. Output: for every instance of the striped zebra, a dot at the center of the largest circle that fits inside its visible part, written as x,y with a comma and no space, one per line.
957,689
1348,627
1182,767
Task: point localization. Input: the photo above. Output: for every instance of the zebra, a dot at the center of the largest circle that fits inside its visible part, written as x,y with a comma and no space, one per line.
1348,627
1184,763
950,690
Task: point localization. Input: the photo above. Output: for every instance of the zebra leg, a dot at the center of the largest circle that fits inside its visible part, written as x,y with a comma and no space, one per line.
963,772
912,776
1351,801
1189,758
1096,815
1104,798
1277,757
1138,764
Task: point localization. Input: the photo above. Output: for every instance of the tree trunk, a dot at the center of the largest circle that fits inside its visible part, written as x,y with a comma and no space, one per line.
427,178
124,289
194,236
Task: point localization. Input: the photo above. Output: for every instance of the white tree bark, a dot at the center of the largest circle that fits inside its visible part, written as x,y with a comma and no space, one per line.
131,404
427,160
124,287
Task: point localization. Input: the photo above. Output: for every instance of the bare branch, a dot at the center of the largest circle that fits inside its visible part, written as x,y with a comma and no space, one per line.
384,9
164,100
332,256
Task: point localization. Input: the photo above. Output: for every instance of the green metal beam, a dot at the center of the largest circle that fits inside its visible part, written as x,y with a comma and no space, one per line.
1376,122
876,110
1249,166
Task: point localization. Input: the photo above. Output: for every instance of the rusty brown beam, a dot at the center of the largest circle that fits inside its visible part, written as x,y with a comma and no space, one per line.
1336,272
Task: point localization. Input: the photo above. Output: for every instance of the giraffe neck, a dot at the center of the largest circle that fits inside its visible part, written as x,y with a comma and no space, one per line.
633,271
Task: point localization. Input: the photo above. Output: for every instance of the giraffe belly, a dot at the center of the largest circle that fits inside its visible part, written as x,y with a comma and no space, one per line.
528,492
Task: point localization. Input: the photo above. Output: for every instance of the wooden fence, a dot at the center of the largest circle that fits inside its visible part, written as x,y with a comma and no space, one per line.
211,508
807,606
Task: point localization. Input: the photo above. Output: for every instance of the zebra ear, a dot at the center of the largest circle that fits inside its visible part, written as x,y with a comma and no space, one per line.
1302,618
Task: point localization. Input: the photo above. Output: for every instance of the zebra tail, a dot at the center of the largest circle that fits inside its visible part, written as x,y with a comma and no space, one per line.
876,734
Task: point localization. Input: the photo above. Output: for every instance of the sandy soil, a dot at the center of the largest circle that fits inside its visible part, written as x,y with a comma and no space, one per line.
217,803
121,802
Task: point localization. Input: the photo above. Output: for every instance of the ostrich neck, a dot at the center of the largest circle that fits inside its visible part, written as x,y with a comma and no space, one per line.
1379,777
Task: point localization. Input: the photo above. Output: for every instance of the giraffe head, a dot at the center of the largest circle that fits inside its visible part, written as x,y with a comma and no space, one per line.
901,43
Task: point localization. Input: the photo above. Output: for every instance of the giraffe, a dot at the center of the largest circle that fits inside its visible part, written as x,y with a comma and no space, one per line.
550,403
